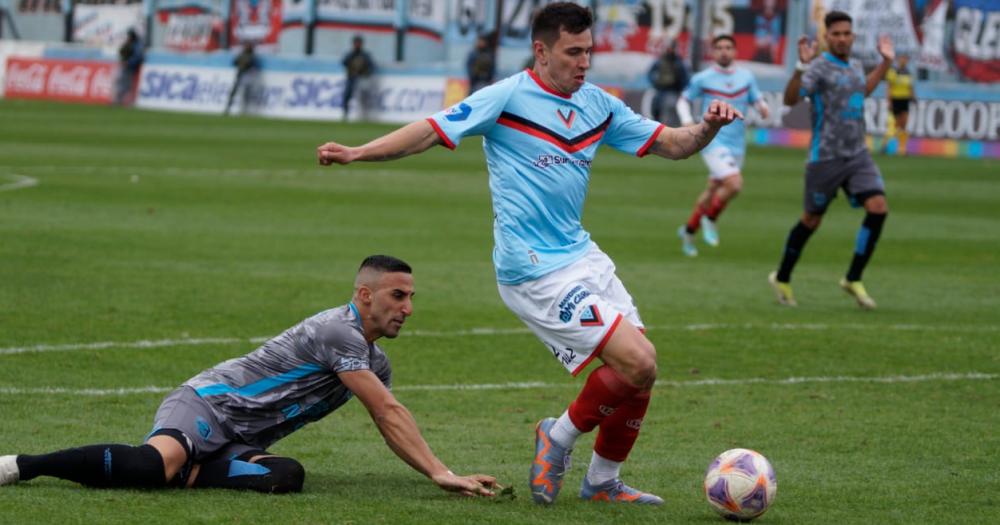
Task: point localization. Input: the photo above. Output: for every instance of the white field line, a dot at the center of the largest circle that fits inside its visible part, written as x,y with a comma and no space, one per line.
20,181
969,376
486,331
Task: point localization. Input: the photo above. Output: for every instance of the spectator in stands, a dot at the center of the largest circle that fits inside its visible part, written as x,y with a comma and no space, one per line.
481,65
359,67
246,69
668,77
130,55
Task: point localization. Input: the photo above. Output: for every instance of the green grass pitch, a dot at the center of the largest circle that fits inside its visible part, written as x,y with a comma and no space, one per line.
179,240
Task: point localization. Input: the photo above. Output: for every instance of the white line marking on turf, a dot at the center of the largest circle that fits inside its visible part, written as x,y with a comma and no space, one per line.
20,181
486,331
942,376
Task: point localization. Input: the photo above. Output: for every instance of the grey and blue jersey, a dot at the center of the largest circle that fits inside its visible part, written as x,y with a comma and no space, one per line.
837,92
291,380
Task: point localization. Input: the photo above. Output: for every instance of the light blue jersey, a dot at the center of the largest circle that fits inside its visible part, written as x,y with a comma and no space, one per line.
539,146
734,85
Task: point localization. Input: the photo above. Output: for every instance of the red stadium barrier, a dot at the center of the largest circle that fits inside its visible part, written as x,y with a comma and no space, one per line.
66,80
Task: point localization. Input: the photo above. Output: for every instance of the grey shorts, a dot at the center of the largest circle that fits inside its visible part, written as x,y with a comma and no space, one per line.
183,410
858,176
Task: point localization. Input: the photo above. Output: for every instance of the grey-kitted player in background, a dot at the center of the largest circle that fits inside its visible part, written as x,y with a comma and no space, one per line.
836,87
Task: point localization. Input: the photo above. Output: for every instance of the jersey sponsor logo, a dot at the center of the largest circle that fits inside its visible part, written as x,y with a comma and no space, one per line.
591,316
544,161
458,113
567,116
348,364
567,144
568,304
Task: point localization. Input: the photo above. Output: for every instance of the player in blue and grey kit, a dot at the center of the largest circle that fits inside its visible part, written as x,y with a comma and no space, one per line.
838,156
542,128
724,156
214,431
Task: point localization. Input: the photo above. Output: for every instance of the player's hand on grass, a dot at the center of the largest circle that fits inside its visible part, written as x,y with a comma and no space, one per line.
807,49
474,485
720,113
332,152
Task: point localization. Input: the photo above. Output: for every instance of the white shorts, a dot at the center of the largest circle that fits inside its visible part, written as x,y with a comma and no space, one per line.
722,162
574,310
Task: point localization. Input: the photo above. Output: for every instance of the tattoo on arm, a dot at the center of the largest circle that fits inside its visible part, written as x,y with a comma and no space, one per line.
681,143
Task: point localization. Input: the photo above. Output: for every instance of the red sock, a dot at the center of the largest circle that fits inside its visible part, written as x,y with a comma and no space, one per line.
620,430
604,391
715,208
695,220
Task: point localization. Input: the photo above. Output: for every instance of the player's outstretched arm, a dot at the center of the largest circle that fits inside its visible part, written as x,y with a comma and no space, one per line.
681,143
876,75
400,431
807,51
410,139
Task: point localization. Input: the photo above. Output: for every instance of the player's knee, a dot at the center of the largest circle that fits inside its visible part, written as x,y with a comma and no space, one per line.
812,220
287,475
642,370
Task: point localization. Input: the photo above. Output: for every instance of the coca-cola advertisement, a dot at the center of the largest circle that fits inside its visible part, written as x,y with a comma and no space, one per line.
65,80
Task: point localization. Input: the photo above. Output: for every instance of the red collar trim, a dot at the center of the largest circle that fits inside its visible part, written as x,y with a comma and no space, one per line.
545,88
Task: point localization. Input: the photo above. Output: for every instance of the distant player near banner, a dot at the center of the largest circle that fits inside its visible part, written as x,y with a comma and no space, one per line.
541,130
838,156
724,156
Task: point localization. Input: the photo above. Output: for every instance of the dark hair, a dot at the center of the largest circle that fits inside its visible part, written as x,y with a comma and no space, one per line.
836,16
384,264
548,21
720,38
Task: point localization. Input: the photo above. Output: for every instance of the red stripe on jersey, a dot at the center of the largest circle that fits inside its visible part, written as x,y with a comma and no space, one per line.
444,138
644,150
545,88
724,94
565,146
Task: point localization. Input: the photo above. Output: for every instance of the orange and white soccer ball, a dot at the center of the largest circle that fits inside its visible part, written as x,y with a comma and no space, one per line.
740,484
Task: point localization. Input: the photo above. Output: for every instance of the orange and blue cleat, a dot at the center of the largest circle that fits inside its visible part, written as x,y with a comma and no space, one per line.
616,491
551,463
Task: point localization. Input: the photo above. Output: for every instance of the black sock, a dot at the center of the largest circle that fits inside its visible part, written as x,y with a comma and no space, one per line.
793,248
868,235
99,466
272,474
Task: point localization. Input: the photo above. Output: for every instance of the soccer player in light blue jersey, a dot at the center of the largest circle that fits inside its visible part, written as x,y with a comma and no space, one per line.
214,430
542,128
724,156
836,87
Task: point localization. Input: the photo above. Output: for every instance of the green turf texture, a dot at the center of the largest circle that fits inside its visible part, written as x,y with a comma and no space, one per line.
159,226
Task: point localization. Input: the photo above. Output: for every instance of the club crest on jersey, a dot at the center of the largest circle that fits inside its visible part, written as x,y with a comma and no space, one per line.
458,113
591,316
567,116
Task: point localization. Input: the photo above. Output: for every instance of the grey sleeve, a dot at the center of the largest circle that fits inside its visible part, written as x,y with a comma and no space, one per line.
342,349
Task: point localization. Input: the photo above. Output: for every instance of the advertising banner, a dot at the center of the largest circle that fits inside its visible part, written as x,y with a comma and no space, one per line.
255,22
65,80
359,12
294,11
284,94
977,39
106,25
192,32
